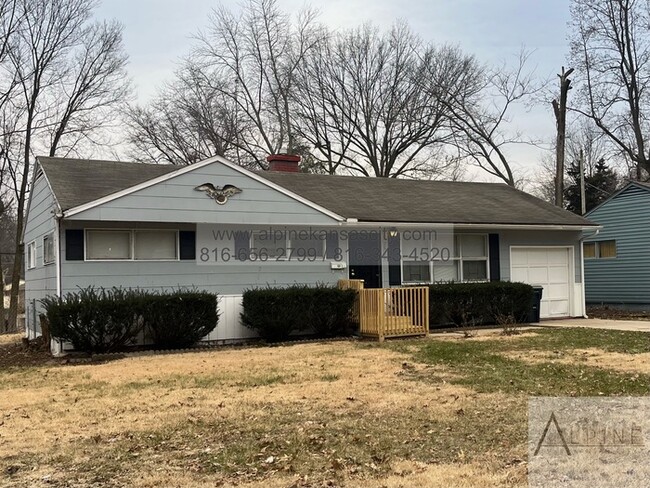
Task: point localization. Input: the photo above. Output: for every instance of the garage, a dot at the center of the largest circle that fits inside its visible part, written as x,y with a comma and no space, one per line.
550,268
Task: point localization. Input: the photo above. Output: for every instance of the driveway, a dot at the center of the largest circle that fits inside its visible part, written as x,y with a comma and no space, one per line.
635,325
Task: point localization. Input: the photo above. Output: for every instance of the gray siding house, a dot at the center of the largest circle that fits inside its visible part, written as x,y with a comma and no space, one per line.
617,261
219,227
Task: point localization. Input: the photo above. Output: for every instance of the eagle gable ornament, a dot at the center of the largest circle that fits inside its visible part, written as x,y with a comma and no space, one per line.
219,195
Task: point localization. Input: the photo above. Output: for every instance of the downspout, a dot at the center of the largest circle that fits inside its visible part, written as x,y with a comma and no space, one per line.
582,271
58,216
56,347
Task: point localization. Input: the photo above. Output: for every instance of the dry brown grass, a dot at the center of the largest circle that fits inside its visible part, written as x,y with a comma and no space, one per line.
342,412
615,361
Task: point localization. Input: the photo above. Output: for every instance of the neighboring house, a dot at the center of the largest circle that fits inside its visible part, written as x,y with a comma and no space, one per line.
219,227
617,260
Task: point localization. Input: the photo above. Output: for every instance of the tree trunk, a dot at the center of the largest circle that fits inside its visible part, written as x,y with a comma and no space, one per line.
559,109
20,217
3,319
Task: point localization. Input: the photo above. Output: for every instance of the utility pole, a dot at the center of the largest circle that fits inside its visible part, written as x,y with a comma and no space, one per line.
559,109
583,197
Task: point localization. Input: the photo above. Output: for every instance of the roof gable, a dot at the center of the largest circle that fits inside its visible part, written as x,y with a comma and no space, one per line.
631,188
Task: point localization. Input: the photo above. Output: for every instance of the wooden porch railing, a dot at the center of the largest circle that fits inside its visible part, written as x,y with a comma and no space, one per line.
390,312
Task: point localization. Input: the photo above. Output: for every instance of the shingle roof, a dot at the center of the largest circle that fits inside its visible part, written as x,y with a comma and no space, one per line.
398,200
79,181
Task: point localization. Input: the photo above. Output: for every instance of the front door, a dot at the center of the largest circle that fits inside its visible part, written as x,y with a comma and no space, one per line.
364,256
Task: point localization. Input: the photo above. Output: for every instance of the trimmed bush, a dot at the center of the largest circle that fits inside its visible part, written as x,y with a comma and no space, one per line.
99,320
179,319
469,304
276,313
94,320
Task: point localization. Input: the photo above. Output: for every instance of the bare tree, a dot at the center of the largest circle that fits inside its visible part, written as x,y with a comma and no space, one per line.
258,52
560,111
189,120
480,114
361,105
70,75
610,49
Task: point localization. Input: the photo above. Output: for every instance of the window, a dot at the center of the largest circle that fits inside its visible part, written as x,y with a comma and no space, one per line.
265,245
108,244
416,248
416,272
48,249
472,250
607,249
31,255
156,245
600,249
308,248
590,249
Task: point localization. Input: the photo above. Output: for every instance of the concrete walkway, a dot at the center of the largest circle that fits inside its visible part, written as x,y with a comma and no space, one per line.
635,325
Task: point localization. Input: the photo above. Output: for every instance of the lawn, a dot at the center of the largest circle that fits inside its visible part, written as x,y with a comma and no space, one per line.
445,411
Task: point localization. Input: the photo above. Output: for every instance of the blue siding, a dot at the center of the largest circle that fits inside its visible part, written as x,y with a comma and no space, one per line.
41,280
624,279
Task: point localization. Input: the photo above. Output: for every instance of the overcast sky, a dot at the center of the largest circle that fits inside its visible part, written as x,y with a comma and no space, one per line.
158,33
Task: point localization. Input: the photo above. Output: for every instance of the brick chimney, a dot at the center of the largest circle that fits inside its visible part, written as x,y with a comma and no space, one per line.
287,163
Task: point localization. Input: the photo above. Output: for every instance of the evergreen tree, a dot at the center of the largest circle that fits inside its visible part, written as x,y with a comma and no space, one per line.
598,186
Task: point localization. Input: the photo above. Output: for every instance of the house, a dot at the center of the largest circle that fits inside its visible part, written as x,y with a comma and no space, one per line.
617,262
217,226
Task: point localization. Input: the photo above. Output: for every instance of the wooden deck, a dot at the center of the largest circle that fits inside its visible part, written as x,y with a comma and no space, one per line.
390,312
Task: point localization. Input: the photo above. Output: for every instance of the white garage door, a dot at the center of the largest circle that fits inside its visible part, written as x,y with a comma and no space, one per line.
547,267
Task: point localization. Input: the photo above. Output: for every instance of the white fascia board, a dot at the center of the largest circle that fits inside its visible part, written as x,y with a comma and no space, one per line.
192,167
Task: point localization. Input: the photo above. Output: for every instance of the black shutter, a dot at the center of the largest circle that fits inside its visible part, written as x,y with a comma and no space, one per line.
331,245
187,245
495,264
74,245
394,261
242,245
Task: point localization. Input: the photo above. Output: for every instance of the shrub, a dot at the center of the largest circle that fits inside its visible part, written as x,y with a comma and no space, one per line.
276,313
99,320
179,319
468,304
95,320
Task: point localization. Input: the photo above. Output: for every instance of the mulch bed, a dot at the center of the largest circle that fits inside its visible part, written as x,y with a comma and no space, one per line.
17,354
613,313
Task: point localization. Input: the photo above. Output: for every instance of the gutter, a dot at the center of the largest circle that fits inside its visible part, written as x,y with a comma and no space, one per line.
447,225
582,269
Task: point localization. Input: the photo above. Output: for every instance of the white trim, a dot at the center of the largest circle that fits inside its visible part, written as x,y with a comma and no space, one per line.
447,225
59,257
192,167
571,270
29,264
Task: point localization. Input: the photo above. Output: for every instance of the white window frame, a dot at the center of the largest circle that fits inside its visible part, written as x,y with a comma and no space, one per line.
401,264
457,260
132,237
461,259
49,236
31,255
